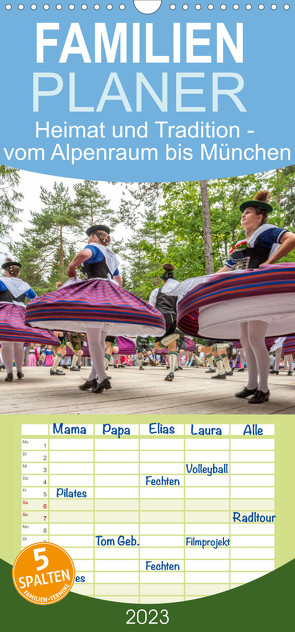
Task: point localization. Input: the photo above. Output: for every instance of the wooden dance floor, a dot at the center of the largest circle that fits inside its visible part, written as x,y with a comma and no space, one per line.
140,392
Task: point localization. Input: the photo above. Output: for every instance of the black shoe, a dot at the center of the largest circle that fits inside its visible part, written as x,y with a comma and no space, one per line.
259,398
219,376
290,373
9,377
246,392
109,377
88,384
105,385
57,372
74,368
141,368
169,377
20,375
229,373
65,366
241,370
211,371
273,372
180,368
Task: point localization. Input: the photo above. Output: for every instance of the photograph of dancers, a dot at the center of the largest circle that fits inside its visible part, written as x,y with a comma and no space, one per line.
122,303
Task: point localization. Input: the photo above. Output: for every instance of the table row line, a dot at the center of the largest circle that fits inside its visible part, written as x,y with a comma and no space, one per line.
147,456
201,541
160,506
166,577
174,592
168,529
148,480
159,443
208,469
177,553
136,517
162,566
149,492
91,554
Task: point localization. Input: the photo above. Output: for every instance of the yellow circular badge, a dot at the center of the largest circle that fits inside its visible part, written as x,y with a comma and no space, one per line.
43,573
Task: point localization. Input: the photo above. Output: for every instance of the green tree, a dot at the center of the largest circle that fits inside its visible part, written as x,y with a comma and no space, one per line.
145,250
9,198
46,246
92,204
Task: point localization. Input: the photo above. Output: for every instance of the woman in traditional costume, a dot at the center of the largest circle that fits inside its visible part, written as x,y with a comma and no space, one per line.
98,306
13,331
230,306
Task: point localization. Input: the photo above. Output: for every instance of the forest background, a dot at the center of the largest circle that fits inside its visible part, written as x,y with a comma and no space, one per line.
190,224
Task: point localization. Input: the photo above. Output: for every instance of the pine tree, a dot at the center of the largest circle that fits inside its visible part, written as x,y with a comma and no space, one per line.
45,247
93,205
9,198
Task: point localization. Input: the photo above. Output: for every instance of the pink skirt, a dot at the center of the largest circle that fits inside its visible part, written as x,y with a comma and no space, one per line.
32,359
216,308
92,304
13,328
49,360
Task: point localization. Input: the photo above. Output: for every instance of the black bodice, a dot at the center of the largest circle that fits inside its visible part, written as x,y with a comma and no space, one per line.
7,297
98,269
250,257
165,303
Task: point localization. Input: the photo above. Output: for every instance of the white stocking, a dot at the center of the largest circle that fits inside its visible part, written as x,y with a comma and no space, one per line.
289,359
235,361
256,332
278,358
242,358
96,343
19,354
92,374
7,355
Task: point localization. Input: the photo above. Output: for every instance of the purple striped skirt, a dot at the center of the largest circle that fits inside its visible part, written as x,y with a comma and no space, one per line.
126,347
216,308
13,328
92,304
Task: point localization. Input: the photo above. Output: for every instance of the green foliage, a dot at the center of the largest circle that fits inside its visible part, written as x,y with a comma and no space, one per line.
160,223
92,205
9,198
44,249
48,244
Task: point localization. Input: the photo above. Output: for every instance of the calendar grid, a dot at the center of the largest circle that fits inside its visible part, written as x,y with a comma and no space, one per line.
152,516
